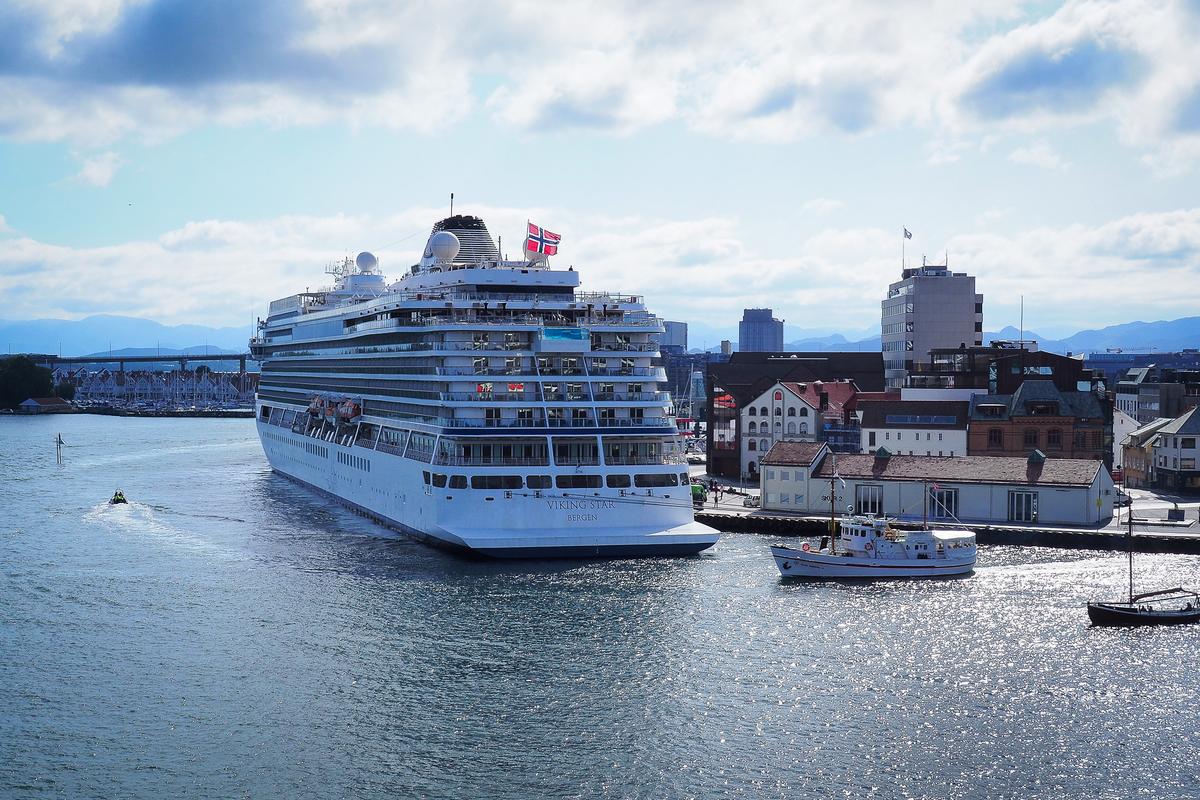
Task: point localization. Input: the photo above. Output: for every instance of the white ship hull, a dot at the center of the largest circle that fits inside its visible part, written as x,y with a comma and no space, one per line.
518,524
812,564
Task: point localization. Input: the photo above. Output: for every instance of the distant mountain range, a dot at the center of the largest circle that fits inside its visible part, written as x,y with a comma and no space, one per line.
104,333
1164,335
99,334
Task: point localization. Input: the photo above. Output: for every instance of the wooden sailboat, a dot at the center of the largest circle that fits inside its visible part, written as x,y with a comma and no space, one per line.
1176,606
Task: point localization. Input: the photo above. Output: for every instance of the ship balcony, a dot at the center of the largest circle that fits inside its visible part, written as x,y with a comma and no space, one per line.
645,460
624,422
608,348
498,461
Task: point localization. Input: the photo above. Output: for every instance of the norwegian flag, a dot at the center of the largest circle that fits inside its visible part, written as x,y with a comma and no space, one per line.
541,241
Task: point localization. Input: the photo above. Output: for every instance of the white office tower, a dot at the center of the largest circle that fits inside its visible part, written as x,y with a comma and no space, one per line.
482,404
929,307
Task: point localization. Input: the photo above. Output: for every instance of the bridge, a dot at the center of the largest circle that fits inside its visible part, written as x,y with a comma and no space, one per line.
53,361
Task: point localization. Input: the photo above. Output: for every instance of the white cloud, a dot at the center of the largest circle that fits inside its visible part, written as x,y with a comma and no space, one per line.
822,205
215,271
1038,154
98,170
98,71
4,225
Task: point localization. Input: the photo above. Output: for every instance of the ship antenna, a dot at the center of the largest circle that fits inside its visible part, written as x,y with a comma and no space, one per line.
452,204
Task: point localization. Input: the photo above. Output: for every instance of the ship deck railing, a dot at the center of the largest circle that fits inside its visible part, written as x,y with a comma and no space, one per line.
459,461
655,422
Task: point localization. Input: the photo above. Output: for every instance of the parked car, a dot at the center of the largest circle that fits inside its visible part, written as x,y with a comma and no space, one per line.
751,501
1122,499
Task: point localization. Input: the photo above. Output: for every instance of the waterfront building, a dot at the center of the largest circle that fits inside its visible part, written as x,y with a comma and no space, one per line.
1123,426
1137,456
480,403
1176,454
1040,416
930,307
999,368
760,332
1149,392
43,405
806,478
1116,363
915,427
788,411
736,385
675,335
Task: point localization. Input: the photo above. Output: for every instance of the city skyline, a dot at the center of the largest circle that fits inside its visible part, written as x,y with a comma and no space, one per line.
736,159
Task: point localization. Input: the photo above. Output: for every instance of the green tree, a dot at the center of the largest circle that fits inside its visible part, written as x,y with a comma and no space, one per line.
65,390
20,379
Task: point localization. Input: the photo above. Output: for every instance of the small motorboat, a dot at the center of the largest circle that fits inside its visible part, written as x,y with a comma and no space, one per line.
869,547
1176,606
117,498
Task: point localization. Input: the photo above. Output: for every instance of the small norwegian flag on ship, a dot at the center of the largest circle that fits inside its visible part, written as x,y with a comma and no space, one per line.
541,241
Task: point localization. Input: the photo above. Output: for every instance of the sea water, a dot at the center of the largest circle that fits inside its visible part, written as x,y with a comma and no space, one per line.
229,633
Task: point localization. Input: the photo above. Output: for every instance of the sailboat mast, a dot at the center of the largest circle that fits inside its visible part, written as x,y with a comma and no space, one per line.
1129,541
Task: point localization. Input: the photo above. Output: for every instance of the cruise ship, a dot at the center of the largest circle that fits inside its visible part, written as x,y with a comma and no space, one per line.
478,403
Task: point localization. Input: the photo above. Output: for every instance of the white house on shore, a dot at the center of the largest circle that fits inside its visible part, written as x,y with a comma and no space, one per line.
801,477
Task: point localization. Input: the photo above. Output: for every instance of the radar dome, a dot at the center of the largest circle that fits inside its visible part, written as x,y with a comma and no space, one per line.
366,261
444,245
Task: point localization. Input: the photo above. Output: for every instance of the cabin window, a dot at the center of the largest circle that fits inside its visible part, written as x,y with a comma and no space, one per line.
439,480
458,482
578,481
655,480
495,481
618,481
538,481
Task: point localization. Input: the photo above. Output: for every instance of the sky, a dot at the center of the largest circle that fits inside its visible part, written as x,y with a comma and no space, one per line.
188,162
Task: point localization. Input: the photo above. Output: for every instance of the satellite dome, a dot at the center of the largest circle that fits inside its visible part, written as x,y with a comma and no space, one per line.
366,261
443,245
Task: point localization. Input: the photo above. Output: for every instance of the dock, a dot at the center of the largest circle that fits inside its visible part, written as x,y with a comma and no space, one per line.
1175,537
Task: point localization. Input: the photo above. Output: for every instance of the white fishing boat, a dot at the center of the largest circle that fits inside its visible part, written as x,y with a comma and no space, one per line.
868,546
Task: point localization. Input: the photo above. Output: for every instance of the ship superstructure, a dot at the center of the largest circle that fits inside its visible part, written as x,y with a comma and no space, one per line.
479,403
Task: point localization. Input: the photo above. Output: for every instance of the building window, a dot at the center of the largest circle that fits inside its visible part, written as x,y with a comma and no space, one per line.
803,427
1022,506
1054,438
778,412
762,411
943,503
1031,437
785,475
995,438
752,446
770,474
871,439
785,499
753,427
1187,443
762,444
778,396
1080,440
868,499
753,411
791,428
804,411
792,411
